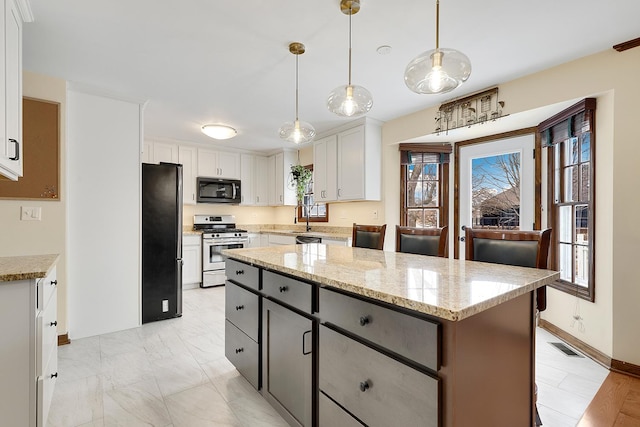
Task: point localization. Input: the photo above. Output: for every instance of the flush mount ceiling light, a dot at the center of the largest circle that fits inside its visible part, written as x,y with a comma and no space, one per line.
297,131
350,100
438,70
219,131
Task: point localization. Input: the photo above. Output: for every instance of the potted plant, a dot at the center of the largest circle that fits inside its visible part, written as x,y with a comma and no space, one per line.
302,178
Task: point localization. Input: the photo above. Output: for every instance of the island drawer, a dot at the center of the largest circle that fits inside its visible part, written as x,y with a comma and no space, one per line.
242,308
411,337
332,415
375,388
242,273
287,290
242,352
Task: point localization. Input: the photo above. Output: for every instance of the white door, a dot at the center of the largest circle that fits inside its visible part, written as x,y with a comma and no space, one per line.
497,185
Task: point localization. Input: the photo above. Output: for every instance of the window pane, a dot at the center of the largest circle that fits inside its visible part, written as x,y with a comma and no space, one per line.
564,224
413,199
430,218
582,224
571,151
564,261
414,216
430,194
430,171
585,182
496,191
571,184
585,148
582,265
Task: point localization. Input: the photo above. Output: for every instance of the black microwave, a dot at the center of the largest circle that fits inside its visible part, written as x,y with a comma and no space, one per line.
218,190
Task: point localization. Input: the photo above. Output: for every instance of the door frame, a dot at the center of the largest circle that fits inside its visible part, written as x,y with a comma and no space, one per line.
491,138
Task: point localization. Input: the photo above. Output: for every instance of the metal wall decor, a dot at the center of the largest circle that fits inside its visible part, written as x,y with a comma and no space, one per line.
473,109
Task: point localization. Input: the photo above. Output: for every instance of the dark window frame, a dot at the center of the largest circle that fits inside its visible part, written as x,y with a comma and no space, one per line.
557,130
443,151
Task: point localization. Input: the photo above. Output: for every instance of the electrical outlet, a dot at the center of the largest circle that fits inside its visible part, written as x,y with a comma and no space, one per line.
30,213
165,305
375,214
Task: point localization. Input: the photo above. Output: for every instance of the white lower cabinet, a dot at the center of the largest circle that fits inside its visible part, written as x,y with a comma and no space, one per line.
192,260
28,326
281,239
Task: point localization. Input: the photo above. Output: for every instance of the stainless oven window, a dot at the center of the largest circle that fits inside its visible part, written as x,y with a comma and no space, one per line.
213,258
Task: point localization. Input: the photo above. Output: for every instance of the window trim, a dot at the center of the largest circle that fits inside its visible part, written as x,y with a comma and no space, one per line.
587,105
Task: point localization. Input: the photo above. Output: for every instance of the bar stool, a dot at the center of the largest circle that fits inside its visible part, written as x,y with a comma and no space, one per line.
422,241
368,236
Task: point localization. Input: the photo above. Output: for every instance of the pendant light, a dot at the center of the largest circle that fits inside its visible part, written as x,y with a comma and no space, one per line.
438,70
350,100
297,131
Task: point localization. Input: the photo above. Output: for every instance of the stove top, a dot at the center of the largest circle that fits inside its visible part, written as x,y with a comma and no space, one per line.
217,226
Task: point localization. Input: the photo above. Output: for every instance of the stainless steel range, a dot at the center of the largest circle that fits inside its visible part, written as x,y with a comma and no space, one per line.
219,232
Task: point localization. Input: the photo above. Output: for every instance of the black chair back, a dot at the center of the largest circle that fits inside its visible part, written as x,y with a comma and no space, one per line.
422,241
368,236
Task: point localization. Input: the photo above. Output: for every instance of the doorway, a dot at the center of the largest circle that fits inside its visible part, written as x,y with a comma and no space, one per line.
496,184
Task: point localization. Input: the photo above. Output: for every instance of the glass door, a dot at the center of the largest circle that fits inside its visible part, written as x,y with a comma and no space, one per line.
496,189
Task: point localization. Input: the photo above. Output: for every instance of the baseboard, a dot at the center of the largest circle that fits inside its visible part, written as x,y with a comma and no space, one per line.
625,368
593,353
63,339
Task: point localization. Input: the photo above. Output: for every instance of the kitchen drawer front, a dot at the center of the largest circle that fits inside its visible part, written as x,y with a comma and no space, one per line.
242,308
243,352
45,386
47,340
242,273
378,390
287,290
414,338
46,287
331,415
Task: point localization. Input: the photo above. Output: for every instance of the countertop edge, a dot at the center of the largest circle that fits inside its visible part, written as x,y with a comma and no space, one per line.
421,307
26,267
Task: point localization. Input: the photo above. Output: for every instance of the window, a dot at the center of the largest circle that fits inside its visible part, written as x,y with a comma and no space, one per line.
570,139
317,211
424,189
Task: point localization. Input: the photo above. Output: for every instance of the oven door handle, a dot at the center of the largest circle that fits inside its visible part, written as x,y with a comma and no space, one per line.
225,242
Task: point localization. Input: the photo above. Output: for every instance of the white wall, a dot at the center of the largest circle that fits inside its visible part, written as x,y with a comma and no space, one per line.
610,323
103,246
48,235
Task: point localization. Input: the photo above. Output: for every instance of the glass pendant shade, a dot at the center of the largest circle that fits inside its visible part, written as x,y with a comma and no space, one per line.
437,71
350,101
297,132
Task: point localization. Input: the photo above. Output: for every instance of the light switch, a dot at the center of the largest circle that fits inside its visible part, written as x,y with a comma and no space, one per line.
30,213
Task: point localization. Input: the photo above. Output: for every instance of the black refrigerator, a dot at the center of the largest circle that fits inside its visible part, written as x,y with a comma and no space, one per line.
161,241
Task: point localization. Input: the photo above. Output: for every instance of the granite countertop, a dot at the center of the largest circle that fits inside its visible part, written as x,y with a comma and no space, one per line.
446,288
26,267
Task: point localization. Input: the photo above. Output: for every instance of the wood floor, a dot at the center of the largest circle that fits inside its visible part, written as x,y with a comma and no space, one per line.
616,404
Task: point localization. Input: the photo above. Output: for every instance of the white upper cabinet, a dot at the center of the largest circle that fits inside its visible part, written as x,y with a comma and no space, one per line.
11,143
247,167
281,193
261,181
165,153
347,165
188,158
325,169
218,164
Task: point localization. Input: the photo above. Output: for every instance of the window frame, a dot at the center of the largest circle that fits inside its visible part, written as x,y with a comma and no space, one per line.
546,131
443,181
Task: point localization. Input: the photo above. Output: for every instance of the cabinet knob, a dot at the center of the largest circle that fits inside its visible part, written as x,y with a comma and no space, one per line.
283,288
364,320
54,375
54,282
364,386
239,350
239,272
54,323
239,307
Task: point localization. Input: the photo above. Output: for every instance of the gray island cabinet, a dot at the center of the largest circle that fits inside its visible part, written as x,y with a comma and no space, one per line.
342,336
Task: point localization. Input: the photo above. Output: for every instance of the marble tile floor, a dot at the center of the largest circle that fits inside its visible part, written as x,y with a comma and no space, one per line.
173,373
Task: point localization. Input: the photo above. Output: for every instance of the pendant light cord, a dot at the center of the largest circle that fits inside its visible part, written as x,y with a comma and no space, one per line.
437,24
297,55
350,14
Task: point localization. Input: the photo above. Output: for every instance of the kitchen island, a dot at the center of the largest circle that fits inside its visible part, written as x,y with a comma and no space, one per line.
344,336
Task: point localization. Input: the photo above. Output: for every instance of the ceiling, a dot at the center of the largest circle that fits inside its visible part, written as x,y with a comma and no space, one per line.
208,61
